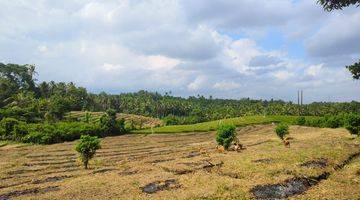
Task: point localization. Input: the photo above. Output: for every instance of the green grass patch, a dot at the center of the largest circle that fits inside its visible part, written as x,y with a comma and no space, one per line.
213,125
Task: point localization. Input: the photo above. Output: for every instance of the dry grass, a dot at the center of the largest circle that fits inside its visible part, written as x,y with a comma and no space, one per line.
127,163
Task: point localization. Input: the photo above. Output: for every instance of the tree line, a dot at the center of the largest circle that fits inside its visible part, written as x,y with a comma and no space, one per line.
21,97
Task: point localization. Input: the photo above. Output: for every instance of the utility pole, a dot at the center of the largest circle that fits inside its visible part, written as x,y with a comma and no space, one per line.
298,97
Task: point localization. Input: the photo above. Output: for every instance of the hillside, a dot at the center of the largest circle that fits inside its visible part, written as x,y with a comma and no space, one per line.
213,125
138,120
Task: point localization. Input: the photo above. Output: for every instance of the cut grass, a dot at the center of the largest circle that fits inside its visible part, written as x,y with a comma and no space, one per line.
127,163
213,125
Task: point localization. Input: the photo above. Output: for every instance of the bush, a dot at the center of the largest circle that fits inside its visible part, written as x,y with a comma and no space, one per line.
7,127
353,124
333,122
225,135
282,130
34,137
87,147
301,121
20,131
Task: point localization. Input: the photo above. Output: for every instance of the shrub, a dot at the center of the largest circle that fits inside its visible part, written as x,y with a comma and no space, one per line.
87,147
33,137
20,131
282,130
301,121
225,135
7,125
353,124
332,122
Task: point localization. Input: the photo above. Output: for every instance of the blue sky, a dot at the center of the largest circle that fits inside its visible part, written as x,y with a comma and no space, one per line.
228,49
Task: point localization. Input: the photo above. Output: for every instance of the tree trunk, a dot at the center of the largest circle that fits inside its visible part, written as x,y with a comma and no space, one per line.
86,164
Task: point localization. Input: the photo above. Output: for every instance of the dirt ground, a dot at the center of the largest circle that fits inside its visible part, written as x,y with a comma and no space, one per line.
184,166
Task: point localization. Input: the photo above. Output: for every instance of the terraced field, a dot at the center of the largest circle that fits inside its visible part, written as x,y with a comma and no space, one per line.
321,163
138,120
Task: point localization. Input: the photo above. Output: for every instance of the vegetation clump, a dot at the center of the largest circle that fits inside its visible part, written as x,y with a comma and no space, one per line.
87,147
301,121
282,130
353,124
225,135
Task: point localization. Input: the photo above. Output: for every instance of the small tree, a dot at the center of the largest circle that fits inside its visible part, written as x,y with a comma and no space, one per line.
87,147
225,135
282,130
353,124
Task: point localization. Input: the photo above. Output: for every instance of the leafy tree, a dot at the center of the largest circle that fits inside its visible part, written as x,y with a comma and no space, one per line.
330,5
87,147
282,130
353,124
225,135
58,106
108,122
354,70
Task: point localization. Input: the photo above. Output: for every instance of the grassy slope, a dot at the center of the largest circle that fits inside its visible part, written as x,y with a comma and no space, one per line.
212,125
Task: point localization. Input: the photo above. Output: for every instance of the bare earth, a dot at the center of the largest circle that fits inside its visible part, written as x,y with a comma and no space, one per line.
184,166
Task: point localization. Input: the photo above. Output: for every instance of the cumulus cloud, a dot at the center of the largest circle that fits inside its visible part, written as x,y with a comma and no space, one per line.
218,48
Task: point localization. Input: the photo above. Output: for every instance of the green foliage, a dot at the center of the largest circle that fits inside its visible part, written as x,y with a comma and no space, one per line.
87,147
282,130
301,121
354,69
110,125
330,5
353,124
225,135
7,126
59,132
333,122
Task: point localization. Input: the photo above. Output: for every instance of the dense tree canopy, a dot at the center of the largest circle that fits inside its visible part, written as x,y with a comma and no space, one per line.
23,99
330,5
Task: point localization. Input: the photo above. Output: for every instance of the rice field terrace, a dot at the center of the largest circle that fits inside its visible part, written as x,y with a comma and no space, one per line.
320,164
138,120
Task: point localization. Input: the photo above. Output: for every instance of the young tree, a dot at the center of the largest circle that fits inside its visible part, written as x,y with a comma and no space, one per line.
353,124
87,147
225,135
281,131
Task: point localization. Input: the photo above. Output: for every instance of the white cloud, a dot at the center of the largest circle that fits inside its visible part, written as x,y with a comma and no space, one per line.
314,70
283,75
111,67
197,84
224,85
188,47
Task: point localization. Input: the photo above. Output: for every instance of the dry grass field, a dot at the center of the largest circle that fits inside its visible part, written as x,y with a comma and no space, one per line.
322,163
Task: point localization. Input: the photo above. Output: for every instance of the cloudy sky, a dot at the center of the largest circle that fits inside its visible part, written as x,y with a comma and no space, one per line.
226,48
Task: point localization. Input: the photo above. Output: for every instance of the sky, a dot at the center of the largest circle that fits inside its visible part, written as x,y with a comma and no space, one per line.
235,49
